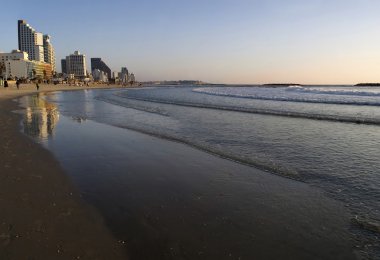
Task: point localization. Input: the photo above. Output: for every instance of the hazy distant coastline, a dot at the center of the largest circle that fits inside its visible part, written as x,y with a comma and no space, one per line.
282,84
368,85
267,85
175,82
199,82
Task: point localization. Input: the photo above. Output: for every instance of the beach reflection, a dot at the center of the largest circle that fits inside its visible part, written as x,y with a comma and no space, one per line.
40,117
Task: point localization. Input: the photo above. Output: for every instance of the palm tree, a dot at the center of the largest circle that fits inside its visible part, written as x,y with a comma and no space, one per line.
34,73
2,69
45,74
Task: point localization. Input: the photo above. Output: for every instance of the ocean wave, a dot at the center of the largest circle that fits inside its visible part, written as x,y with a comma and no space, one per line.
300,96
367,224
139,108
266,166
374,92
327,117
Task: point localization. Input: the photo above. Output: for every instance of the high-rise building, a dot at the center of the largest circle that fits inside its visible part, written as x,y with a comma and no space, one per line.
132,78
63,66
37,46
30,41
124,70
76,64
124,75
98,64
99,76
49,53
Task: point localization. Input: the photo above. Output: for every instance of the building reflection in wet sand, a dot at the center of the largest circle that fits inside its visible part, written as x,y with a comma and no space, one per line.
40,117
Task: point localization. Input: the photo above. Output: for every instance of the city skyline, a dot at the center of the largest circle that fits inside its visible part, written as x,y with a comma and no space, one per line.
318,42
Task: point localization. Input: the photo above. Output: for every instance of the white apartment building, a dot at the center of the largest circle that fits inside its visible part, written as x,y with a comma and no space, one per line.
76,64
14,55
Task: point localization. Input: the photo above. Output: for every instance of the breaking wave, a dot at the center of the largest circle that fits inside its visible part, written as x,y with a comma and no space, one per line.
307,115
367,92
325,95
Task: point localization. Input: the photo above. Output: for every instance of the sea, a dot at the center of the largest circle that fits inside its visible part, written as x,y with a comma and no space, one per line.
327,137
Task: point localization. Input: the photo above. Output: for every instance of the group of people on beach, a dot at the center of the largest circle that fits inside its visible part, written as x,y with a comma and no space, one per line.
18,83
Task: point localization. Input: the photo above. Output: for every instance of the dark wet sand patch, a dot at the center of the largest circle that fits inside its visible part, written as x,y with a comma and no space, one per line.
167,200
42,216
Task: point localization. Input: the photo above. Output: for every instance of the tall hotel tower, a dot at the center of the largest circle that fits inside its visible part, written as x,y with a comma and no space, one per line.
49,53
30,41
97,63
36,44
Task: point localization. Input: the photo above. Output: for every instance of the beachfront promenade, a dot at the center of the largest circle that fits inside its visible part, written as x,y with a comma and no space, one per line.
29,88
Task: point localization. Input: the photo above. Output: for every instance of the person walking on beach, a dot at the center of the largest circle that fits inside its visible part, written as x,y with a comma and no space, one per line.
37,86
5,84
18,84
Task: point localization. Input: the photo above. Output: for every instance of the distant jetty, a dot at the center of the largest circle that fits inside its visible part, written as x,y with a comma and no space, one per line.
368,85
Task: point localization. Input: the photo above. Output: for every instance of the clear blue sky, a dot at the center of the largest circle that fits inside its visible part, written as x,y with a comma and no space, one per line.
231,41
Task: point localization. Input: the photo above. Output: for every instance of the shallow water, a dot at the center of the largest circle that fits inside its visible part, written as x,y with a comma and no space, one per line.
341,158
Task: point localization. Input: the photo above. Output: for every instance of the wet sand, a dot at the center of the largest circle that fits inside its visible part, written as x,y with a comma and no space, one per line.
170,201
42,215
161,199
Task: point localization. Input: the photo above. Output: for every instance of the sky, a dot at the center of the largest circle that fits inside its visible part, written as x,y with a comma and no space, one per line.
217,41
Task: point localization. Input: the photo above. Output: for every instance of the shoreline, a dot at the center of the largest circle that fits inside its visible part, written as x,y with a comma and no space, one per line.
101,230
42,212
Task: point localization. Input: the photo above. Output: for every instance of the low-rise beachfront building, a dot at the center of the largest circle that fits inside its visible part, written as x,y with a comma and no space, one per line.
18,69
76,64
17,65
26,69
5,57
14,55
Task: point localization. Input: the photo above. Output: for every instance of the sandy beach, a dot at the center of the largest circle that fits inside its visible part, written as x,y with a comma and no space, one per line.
42,215
139,203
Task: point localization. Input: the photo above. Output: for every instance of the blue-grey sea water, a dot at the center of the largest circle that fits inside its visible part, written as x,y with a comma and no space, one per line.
325,136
